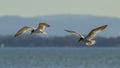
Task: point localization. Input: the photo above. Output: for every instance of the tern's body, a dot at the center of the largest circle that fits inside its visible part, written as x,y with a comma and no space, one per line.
36,31
89,38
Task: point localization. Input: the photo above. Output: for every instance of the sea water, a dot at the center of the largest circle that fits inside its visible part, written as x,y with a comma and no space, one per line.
60,57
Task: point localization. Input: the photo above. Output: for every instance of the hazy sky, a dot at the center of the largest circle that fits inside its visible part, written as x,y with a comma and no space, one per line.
30,8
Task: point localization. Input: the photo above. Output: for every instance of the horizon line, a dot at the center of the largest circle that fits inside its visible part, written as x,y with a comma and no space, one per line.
58,15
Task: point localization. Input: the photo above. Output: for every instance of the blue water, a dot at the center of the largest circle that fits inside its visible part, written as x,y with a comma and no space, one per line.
60,57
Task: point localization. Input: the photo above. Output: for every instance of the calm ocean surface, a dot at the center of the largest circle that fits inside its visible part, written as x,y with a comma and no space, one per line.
62,57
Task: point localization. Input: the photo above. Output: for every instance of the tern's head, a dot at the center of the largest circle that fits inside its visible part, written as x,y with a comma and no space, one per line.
80,39
32,32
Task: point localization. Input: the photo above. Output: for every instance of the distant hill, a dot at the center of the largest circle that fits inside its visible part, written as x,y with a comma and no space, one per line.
80,23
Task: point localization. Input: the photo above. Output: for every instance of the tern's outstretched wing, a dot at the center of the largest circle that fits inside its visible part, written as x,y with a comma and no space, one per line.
75,33
42,26
23,30
94,32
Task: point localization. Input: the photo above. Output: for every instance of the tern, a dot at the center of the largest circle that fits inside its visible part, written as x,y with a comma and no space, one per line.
37,30
89,38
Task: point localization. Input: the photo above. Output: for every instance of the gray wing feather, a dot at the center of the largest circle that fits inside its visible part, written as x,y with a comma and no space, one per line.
23,30
75,33
94,32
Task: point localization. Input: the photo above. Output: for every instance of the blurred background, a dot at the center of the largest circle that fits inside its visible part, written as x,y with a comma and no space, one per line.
59,49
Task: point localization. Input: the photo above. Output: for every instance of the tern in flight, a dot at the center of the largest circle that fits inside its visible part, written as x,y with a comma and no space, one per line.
89,38
39,29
